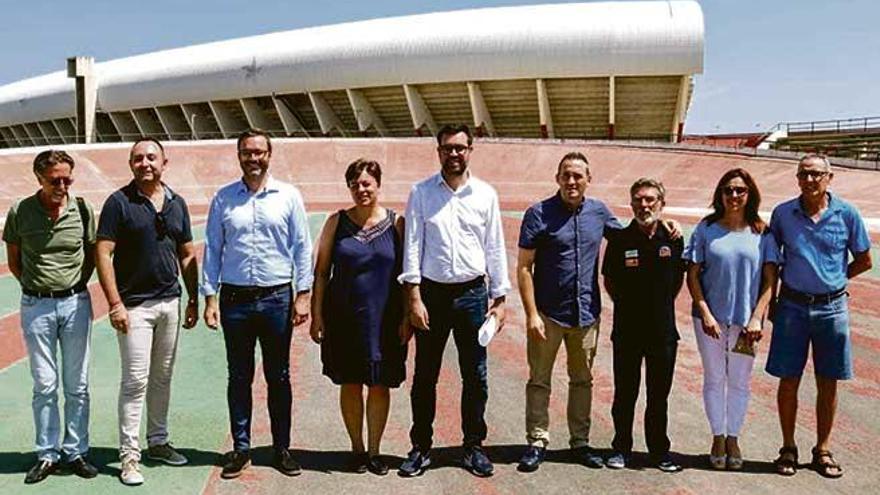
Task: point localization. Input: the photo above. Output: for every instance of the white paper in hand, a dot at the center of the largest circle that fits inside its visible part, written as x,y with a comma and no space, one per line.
487,331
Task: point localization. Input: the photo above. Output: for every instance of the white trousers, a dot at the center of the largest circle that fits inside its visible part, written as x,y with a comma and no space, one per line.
726,379
147,352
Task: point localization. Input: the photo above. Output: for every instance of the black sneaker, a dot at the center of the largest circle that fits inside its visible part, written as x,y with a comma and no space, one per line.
476,462
285,463
83,468
236,462
531,459
41,470
415,464
588,457
377,466
667,464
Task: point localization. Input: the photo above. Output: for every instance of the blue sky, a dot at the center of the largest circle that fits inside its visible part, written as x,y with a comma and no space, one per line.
765,61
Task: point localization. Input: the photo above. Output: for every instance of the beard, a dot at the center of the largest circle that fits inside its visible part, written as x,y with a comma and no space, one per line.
455,166
648,219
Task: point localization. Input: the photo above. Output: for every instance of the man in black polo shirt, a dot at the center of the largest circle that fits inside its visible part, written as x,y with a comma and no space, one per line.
643,273
143,235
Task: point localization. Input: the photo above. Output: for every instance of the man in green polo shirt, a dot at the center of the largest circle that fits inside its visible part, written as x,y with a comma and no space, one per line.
50,238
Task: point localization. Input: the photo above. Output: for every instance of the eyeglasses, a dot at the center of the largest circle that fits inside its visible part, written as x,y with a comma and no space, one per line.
811,174
57,181
253,153
735,190
458,148
645,200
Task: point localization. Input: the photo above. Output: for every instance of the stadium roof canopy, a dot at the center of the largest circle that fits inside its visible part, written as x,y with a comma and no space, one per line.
583,70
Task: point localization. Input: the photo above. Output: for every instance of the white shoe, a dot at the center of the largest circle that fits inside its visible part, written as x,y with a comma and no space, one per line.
131,473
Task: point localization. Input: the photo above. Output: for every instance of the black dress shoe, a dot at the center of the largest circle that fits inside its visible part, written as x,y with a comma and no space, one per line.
83,468
357,463
377,466
477,463
236,462
531,459
415,464
588,457
41,470
285,463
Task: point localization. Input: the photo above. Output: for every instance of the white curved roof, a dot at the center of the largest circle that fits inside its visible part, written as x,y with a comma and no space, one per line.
548,41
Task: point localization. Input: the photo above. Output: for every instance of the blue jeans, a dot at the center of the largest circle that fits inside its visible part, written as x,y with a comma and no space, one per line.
461,310
266,320
46,323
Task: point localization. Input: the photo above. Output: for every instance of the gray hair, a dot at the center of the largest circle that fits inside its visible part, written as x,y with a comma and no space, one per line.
816,156
50,158
643,182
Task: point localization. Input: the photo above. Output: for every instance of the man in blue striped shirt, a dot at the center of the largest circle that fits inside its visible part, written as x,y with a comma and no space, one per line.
256,243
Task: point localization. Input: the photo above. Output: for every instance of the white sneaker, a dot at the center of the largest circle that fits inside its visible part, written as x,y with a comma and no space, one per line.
131,473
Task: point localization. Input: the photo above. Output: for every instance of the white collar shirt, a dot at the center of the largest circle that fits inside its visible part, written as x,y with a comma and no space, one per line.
454,236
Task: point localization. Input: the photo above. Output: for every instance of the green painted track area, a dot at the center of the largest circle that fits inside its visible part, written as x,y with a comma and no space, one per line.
198,418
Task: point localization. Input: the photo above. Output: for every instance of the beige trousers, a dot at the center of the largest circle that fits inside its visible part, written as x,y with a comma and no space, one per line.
580,347
147,352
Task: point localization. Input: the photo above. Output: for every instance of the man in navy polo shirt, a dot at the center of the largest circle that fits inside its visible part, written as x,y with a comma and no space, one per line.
815,231
143,235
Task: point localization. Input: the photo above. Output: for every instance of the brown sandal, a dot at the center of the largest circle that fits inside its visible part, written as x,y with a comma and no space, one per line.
787,462
825,465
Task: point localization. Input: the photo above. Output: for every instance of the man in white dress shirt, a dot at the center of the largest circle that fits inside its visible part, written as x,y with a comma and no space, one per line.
453,243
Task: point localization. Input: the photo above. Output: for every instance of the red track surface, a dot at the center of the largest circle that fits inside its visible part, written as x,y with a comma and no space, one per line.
522,173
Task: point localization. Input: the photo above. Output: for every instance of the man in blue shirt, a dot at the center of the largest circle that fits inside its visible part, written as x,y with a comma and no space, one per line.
815,231
256,243
559,287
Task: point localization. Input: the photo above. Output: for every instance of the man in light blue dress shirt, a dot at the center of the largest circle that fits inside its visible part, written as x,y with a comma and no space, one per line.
256,243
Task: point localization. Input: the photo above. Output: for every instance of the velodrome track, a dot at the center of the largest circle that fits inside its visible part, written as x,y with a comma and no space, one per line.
522,172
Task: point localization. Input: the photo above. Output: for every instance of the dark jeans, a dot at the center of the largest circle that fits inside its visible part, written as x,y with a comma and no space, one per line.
266,319
460,309
659,369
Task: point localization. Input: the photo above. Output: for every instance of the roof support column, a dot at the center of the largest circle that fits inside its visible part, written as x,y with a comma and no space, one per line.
364,113
482,118
255,117
289,120
80,68
418,110
224,120
9,137
544,114
327,118
680,109
611,107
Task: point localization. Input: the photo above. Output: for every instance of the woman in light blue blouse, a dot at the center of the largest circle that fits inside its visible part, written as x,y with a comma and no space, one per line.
731,276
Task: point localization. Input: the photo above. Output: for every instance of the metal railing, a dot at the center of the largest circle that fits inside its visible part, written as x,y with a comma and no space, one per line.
858,124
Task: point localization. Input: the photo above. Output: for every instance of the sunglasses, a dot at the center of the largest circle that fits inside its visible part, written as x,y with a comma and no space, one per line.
161,227
735,190
57,181
812,174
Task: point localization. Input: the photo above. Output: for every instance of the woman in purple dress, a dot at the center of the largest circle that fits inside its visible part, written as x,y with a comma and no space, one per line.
358,313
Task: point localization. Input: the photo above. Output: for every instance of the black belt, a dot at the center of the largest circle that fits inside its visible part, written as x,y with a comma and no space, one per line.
230,293
55,294
810,299
456,286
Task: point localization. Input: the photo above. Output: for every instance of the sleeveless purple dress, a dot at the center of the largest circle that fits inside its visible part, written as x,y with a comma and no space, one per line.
362,309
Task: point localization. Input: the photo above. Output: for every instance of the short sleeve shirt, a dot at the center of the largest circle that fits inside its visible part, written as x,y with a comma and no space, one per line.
566,245
145,258
52,252
646,274
816,254
731,265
